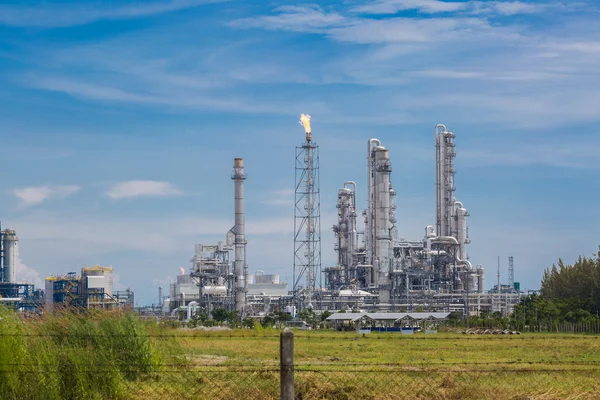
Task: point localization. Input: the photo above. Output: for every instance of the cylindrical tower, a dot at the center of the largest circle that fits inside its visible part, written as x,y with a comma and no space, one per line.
480,280
462,233
381,219
10,244
344,227
444,179
240,234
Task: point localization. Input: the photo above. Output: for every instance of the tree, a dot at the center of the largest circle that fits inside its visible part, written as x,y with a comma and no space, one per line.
325,314
282,317
220,315
269,320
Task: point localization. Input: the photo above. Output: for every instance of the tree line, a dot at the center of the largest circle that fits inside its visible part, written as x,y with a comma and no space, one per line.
569,294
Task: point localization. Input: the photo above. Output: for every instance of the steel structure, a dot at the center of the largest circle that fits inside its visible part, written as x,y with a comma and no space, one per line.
240,239
9,255
511,272
307,218
214,278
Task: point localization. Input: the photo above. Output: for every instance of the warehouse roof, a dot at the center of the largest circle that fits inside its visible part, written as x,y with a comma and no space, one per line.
387,316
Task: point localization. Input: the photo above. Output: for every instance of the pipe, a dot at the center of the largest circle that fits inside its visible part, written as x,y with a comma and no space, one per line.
452,241
189,309
353,192
240,234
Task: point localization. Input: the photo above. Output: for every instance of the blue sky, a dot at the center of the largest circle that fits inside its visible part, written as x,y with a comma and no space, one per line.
119,122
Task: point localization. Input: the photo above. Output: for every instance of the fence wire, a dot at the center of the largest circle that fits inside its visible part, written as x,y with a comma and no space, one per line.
190,367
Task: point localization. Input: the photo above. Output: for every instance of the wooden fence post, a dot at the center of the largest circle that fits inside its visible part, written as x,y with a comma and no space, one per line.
286,359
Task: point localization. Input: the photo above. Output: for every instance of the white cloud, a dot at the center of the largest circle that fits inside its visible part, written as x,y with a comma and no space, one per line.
393,6
27,274
436,6
30,196
580,153
281,197
293,18
142,188
507,7
62,15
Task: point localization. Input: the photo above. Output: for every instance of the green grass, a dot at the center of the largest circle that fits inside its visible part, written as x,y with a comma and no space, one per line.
334,365
72,356
115,356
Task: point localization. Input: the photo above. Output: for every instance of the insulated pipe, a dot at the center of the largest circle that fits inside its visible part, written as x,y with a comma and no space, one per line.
240,234
353,191
189,309
451,240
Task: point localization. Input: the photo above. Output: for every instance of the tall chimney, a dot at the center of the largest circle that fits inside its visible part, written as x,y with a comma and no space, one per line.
240,234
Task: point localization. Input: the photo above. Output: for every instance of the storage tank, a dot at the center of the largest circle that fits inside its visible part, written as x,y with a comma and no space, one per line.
462,232
10,243
480,278
98,277
214,290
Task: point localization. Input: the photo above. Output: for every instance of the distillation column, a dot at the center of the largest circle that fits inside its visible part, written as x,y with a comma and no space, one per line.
10,244
380,218
345,230
240,234
444,179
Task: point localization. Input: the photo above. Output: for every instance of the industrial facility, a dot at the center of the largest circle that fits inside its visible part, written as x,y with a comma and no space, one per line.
21,296
92,290
376,269
379,270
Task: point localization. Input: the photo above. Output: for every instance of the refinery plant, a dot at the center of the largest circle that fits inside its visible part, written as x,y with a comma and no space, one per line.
92,290
376,269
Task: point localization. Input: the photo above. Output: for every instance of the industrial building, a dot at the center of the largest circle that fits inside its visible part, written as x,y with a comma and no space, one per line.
93,289
22,296
379,270
376,270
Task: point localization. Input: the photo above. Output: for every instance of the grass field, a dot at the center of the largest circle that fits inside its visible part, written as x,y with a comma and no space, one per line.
334,365
113,355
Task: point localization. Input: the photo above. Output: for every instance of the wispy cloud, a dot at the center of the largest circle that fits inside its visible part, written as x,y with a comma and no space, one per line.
467,7
293,18
281,197
393,6
580,154
30,196
62,15
142,188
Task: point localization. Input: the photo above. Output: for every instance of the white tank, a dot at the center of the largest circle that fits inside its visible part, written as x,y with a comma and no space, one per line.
480,279
10,243
461,232
214,290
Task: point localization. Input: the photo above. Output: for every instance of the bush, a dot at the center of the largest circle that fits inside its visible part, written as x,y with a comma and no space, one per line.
67,355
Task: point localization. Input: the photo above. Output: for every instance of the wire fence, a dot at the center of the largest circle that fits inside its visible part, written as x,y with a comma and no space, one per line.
238,366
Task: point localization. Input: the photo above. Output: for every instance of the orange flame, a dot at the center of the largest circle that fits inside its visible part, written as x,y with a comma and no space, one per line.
182,270
305,121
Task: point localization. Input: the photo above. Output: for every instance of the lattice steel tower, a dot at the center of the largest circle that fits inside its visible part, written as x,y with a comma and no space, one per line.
307,217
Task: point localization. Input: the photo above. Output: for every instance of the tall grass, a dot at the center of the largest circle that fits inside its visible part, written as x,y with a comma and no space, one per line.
69,355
